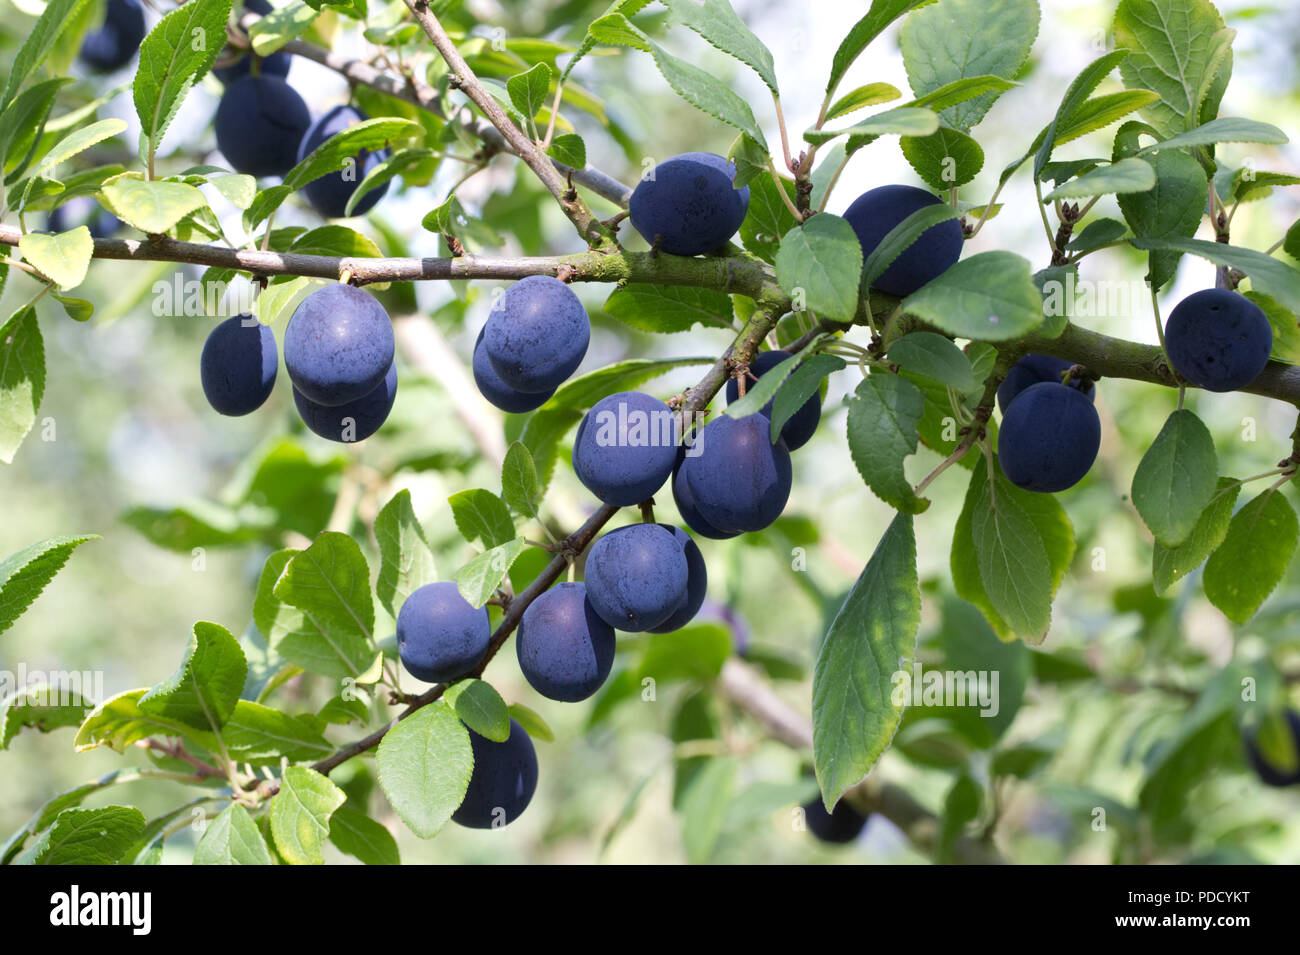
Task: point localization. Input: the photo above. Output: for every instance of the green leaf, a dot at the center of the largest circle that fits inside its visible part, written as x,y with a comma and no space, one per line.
669,308
478,580
118,722
872,94
695,652
569,149
1271,276
300,815
1097,233
532,722
900,121
1126,175
178,52
1176,478
280,26
855,713
262,736
203,692
81,140
406,560
482,516
881,14
1170,564
356,834
87,837
22,122
1012,561
935,357
768,218
44,33
987,297
822,259
883,415
42,706
153,206
1173,209
481,708
529,91
336,240
762,391
704,807
1232,129
803,384
1253,557
627,8
900,238
23,575
388,169
945,160
425,762
45,815
22,379
232,839
1073,103
717,22
1286,329
519,485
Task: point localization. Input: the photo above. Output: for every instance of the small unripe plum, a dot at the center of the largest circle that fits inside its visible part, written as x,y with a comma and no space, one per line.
697,583
691,206
440,637
565,650
260,122
686,505
354,420
637,577
838,827
1218,339
277,64
238,365
502,783
338,345
330,193
1049,437
1033,368
739,480
626,447
1278,763
111,46
83,210
537,334
873,216
497,392
799,428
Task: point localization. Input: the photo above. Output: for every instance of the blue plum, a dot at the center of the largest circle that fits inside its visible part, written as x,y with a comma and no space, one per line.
738,479
1033,368
440,637
355,420
238,365
1281,765
537,334
691,206
697,583
875,213
626,447
83,210
260,122
1218,339
339,345
838,827
239,63
330,193
686,505
502,783
565,650
1049,437
496,391
637,577
799,429
112,46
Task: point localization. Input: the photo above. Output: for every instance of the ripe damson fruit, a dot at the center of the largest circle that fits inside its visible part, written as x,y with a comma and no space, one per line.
502,783
238,365
1049,437
330,193
686,505
338,345
1218,339
1277,762
739,481
873,216
697,584
496,391
838,827
537,334
83,210
626,447
111,46
691,206
440,637
351,421
637,577
1033,368
799,428
237,63
260,122
565,650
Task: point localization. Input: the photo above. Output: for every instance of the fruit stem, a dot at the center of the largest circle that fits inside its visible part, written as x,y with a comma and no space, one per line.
785,196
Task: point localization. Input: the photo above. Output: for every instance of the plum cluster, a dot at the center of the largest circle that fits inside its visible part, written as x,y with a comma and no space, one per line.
1050,430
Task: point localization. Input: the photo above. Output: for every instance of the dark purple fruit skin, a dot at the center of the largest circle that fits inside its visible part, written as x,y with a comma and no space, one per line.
686,505
338,345
504,778
440,637
1218,340
875,213
1049,438
565,650
697,583
619,471
367,413
83,210
537,334
260,122
799,428
277,64
1267,773
497,392
838,827
1033,368
692,205
112,46
238,365
330,193
739,480
637,577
